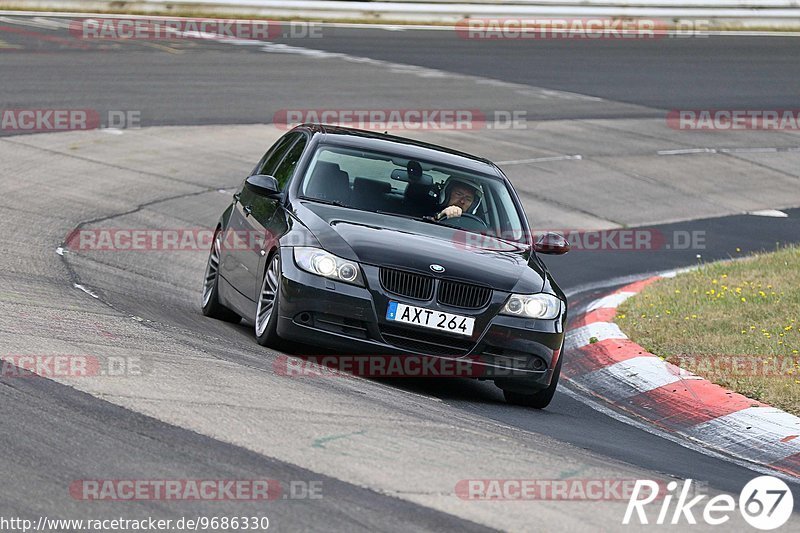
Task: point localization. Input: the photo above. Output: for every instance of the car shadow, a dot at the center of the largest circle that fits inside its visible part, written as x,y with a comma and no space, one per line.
447,389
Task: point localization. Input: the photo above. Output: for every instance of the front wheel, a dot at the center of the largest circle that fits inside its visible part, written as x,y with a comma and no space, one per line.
537,400
268,304
211,304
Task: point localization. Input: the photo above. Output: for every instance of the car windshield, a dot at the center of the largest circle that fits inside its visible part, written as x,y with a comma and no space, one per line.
378,182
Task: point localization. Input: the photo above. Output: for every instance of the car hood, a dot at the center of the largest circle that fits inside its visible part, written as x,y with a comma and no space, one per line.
384,240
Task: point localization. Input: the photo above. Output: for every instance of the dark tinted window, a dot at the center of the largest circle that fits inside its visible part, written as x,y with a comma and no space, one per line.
286,168
375,181
270,161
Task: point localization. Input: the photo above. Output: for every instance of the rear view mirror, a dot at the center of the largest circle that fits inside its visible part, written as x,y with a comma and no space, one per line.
263,185
401,174
551,243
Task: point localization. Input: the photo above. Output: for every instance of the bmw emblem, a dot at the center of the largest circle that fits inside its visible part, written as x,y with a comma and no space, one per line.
437,268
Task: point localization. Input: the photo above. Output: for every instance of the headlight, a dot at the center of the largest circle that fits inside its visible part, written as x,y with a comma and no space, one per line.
318,261
544,306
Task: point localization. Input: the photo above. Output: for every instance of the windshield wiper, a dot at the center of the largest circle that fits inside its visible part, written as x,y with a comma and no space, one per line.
323,201
410,217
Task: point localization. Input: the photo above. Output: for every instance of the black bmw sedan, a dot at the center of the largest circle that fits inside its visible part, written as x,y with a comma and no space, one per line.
372,244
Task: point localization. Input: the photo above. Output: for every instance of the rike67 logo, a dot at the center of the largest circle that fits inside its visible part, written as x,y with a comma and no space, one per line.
766,503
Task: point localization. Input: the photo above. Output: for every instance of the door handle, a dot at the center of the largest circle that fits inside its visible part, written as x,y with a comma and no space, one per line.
248,210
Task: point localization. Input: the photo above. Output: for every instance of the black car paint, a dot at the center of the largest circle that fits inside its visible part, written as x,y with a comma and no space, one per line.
374,240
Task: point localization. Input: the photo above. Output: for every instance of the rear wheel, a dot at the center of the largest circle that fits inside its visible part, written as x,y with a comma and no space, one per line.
537,400
267,309
211,304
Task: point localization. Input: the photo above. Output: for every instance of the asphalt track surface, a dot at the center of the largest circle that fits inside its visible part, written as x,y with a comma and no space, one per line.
661,74
52,434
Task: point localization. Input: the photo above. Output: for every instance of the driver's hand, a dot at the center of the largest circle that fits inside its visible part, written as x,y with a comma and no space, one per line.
450,212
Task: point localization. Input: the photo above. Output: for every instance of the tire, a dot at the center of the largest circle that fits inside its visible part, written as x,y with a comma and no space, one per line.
211,305
266,319
537,400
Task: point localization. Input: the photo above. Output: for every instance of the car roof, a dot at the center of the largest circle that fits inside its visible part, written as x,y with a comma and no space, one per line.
402,146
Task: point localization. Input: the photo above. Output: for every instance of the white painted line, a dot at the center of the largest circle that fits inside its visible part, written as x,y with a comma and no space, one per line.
733,33
52,23
683,151
769,213
744,150
673,273
541,159
613,300
749,150
580,337
755,433
87,291
561,95
19,21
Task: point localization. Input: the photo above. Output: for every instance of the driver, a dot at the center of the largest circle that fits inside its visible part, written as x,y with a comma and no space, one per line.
461,195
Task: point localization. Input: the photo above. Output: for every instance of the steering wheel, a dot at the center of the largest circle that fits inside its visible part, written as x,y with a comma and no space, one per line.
475,222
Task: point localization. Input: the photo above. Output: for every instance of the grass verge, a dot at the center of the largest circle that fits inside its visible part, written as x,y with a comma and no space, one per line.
733,322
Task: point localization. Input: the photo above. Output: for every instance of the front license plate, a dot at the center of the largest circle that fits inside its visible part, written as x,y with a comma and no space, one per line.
428,318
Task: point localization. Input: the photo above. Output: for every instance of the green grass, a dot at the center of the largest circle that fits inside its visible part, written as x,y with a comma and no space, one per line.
733,322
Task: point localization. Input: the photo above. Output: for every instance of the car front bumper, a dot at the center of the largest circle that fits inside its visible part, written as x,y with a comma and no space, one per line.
518,354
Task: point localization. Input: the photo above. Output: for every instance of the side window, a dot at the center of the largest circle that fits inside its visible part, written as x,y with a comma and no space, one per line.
270,161
286,168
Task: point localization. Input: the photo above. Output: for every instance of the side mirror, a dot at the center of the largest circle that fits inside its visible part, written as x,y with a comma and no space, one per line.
263,185
551,243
